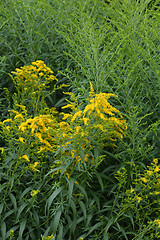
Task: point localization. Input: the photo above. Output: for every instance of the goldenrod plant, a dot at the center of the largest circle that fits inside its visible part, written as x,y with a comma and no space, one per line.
44,147
63,142
137,208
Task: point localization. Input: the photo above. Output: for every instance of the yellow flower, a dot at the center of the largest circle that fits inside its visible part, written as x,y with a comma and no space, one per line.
66,115
76,115
41,74
91,87
7,120
19,116
85,120
22,106
34,193
21,139
149,173
2,150
156,169
144,179
22,127
155,161
157,221
48,237
138,199
13,111
33,167
131,190
26,158
11,234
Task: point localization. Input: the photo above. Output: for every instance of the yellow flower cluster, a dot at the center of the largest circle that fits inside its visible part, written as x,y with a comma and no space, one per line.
34,193
157,222
151,176
72,138
146,192
31,82
43,128
99,117
48,237
36,76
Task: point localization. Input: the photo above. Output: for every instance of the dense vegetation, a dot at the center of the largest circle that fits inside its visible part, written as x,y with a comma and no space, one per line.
79,120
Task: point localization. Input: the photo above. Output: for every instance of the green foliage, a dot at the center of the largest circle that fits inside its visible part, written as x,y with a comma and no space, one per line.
111,47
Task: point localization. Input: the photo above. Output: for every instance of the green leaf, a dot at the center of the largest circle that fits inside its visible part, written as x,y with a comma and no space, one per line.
3,230
70,190
60,234
52,197
20,209
36,218
83,207
74,221
22,227
96,226
56,220
29,189
122,230
100,180
13,200
8,213
83,192
4,23
109,223
61,102
96,152
2,186
1,207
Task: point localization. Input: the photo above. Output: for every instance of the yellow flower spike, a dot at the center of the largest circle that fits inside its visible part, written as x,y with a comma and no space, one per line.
155,161
77,128
67,106
16,112
11,235
25,157
22,107
66,115
7,120
21,139
23,127
89,108
76,115
91,88
19,116
48,237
